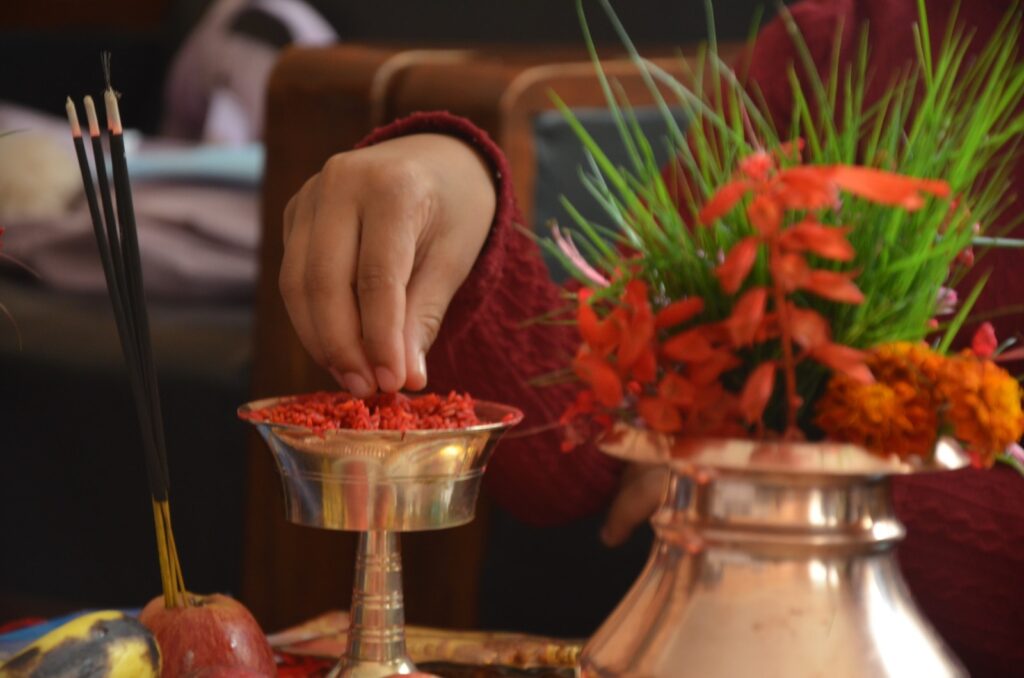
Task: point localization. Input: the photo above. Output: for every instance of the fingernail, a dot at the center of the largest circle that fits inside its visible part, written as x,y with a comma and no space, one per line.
386,379
606,536
421,363
355,384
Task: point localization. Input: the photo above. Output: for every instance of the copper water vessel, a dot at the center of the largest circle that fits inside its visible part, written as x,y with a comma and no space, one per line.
770,560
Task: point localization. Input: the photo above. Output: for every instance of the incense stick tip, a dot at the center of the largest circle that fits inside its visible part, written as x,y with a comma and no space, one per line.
113,112
69,106
90,115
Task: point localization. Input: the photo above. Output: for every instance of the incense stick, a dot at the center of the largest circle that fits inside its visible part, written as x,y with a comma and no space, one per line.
133,270
90,189
125,305
117,239
108,205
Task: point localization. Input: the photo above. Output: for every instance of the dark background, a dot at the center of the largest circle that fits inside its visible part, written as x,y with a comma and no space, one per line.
50,48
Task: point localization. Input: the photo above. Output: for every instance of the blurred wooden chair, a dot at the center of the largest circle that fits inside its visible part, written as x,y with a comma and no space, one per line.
323,101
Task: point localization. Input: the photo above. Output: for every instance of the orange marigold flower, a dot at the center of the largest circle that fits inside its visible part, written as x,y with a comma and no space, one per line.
983,404
885,418
919,392
912,362
898,414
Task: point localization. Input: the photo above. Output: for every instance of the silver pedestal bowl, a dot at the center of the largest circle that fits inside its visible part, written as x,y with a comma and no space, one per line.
381,483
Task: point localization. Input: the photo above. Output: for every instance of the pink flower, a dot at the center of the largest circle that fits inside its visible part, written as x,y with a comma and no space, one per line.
947,301
568,248
1015,451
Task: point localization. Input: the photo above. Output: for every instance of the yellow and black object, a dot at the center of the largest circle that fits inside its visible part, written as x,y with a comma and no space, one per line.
105,644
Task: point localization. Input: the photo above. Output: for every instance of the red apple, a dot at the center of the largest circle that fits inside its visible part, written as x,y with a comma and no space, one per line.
214,631
227,672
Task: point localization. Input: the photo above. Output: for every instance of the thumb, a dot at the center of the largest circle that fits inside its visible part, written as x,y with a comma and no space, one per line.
430,290
640,494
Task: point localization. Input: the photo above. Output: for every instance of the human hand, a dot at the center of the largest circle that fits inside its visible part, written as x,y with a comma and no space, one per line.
641,491
375,247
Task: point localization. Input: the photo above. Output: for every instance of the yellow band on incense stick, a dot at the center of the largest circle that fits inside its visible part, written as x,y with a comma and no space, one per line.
161,547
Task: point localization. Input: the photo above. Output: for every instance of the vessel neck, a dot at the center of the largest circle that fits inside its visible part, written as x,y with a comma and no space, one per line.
800,510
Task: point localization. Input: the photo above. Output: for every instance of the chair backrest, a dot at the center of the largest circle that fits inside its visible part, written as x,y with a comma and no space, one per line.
507,97
324,101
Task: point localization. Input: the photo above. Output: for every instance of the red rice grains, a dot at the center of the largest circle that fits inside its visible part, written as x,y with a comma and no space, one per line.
326,411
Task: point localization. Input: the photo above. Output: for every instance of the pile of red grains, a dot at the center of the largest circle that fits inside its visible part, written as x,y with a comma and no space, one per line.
327,411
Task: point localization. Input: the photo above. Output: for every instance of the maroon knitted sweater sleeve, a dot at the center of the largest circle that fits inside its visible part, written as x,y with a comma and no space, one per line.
487,347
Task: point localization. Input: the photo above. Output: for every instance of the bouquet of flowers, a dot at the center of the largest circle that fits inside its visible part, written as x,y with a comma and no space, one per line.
797,283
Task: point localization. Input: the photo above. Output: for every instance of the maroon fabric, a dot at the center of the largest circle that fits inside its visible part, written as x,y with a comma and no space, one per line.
964,556
963,560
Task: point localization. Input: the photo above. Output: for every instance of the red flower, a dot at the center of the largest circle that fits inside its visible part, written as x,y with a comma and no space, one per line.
886,188
790,271
688,347
966,257
808,328
600,336
707,372
724,199
747,317
765,214
833,286
806,188
757,391
984,342
738,262
660,415
602,379
828,242
645,369
678,312
758,165
584,404
636,325
677,390
849,361
814,188
676,384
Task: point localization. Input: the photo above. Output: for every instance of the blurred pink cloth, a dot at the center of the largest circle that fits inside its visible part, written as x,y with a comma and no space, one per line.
217,83
197,243
198,239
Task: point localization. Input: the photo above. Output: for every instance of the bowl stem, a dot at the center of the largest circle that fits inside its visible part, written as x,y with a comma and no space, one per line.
376,633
